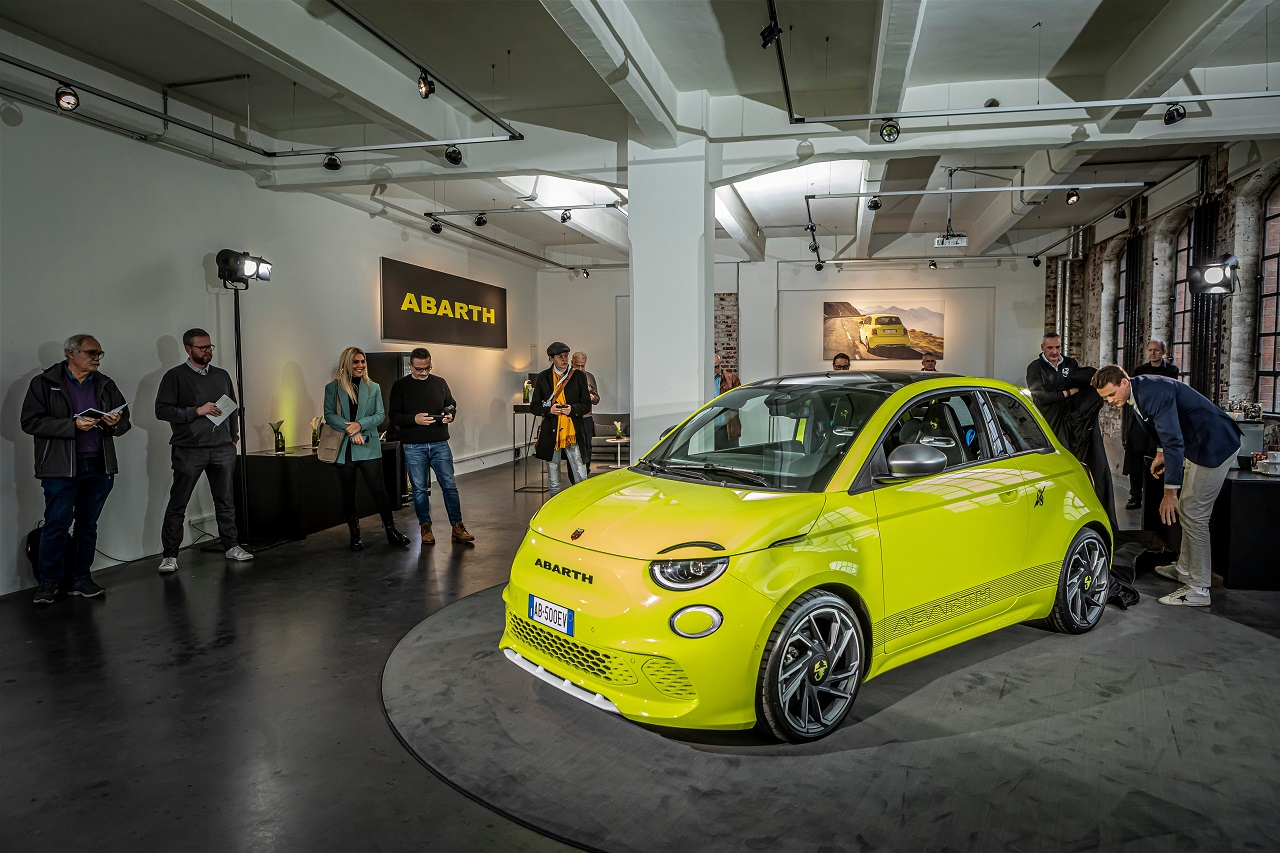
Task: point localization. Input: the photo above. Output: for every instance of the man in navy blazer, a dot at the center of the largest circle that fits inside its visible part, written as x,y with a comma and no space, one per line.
1197,443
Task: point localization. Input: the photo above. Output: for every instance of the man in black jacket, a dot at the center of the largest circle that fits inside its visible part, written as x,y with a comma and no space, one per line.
562,397
1136,443
75,413
422,406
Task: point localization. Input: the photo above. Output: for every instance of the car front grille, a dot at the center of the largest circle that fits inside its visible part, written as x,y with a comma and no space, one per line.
596,663
669,678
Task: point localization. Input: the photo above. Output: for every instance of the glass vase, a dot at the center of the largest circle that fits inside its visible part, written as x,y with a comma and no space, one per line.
279,443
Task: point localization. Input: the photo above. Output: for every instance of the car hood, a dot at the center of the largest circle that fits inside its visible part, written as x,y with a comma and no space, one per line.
628,514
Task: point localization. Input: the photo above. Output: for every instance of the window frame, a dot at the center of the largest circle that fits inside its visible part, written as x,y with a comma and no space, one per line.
1180,345
1122,294
1269,294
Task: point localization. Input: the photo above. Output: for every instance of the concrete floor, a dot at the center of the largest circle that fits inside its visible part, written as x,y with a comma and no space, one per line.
236,706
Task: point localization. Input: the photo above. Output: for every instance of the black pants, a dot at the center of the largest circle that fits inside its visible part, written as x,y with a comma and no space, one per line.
371,471
589,427
219,463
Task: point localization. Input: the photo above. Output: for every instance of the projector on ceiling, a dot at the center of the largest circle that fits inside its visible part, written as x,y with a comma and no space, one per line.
950,241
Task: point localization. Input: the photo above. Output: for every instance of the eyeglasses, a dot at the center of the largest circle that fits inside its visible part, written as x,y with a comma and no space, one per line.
93,353
209,348
416,369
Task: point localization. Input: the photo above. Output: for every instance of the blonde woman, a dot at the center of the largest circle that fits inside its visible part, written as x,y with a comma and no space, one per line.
353,405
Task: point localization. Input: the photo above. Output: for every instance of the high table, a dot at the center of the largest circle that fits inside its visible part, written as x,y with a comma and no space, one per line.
521,444
1245,531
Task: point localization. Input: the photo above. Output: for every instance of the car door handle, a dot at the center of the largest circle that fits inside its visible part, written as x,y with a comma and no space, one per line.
1009,497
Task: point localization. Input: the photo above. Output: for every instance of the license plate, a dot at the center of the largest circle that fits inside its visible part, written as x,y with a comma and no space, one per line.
552,615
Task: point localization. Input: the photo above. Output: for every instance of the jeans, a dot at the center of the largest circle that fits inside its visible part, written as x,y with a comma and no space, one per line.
421,459
1200,487
66,499
577,470
188,464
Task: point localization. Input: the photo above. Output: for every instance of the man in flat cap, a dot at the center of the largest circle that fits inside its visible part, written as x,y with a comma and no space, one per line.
562,397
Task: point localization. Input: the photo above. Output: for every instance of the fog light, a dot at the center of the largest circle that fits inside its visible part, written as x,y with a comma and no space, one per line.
697,621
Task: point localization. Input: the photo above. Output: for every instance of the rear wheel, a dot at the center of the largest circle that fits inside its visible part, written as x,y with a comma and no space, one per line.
1083,585
811,668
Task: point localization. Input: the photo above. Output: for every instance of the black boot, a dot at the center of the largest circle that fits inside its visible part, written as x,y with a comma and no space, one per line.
356,544
395,537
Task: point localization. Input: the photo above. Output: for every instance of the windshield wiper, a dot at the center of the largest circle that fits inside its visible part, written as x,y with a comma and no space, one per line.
707,470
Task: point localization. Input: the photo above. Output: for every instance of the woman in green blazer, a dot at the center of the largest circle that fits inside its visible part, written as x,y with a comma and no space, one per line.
353,405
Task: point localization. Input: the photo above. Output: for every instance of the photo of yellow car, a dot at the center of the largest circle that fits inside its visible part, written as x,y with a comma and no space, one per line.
883,330
860,521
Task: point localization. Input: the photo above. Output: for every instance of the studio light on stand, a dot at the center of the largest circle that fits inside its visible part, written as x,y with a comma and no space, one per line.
1215,279
236,270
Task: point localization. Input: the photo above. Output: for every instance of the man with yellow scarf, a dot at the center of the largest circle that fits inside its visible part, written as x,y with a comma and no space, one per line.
562,396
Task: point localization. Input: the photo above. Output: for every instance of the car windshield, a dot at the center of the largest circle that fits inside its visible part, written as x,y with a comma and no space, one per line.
888,320
789,438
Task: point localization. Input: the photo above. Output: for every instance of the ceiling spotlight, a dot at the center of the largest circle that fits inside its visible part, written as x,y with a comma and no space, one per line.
933,265
66,99
810,227
874,203
890,131
1120,214
1035,262
426,86
481,220
818,266
436,227
566,216
331,162
813,246
586,273
453,154
1175,114
769,34
1073,196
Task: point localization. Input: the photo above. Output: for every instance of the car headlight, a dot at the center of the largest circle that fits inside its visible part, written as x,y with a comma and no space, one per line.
687,574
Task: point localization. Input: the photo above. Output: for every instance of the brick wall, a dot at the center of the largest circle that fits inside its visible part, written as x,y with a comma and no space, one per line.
725,326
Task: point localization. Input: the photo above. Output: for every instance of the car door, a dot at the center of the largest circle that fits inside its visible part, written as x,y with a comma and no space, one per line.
950,541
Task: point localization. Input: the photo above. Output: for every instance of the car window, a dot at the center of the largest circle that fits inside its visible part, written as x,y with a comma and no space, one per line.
888,320
948,422
1017,425
791,438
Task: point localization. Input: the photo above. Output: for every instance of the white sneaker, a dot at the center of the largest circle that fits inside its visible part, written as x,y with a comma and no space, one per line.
235,552
168,565
1171,572
1187,597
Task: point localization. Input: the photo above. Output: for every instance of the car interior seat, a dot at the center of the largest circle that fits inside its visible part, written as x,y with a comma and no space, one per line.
940,423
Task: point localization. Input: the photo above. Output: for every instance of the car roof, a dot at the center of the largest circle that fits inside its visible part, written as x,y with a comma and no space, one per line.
872,380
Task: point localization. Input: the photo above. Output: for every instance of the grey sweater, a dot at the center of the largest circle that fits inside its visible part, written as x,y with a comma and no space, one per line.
181,392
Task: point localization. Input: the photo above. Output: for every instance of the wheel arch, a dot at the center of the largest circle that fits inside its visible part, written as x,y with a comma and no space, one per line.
1101,529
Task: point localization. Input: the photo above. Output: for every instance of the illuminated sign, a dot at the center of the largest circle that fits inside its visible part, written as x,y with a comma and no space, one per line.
419,304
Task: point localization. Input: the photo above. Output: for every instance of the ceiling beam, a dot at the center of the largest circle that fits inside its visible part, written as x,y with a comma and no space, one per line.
1044,168
736,219
608,37
873,177
1179,39
898,33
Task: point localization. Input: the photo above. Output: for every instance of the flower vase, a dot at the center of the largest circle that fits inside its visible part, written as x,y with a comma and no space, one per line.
315,438
279,443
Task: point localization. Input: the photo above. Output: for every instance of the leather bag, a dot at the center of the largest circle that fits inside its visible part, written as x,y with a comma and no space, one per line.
330,441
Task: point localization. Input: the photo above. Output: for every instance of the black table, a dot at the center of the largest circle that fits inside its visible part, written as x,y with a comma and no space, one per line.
1244,529
294,494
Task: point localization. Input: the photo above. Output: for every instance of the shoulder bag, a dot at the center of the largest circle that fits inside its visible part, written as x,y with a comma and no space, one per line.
330,441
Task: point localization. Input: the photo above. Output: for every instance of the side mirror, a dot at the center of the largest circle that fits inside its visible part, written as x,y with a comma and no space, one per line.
916,460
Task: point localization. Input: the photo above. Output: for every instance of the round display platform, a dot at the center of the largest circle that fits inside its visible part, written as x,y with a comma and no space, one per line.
1160,724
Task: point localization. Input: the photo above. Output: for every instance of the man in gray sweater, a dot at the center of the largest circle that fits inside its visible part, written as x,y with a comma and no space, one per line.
188,399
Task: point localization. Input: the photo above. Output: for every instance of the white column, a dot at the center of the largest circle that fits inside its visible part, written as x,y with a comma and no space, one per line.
672,229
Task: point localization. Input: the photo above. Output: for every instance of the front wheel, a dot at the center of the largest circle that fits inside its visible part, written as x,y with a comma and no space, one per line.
811,669
1083,585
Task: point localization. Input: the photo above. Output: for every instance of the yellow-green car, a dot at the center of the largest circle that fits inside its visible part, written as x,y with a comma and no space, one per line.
883,330
861,521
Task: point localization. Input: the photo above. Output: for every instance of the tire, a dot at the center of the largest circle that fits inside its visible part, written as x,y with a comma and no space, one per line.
1083,585
811,668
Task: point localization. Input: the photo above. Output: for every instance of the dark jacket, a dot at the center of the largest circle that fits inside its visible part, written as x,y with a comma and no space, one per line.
1046,382
1185,425
576,395
48,415
1136,444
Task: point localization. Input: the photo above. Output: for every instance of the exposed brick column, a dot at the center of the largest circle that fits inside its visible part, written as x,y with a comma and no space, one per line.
1242,373
725,325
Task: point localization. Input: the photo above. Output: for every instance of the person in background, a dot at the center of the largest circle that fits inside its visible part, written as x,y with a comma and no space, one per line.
1136,444
1198,443
728,427
840,362
561,395
75,460
353,406
579,362
422,406
929,364
187,399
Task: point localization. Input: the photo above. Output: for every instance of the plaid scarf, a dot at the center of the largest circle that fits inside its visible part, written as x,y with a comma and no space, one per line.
566,436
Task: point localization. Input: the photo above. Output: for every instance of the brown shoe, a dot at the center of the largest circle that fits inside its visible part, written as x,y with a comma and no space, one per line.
427,538
460,533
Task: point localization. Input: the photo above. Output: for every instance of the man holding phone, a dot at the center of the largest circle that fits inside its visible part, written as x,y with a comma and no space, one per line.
75,414
422,406
562,397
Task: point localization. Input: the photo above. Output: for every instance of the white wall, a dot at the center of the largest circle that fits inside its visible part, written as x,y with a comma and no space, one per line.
105,235
583,313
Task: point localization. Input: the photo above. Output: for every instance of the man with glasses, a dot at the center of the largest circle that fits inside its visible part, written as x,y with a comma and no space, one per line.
840,361
422,406
561,396
188,399
75,413
929,364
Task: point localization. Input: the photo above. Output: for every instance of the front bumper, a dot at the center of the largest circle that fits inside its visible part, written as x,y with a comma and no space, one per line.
623,647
